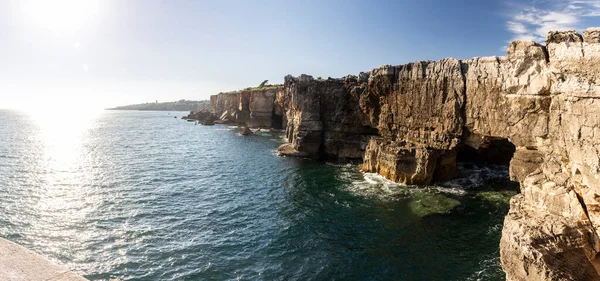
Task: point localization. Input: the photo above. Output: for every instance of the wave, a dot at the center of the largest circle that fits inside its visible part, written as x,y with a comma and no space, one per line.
488,269
475,176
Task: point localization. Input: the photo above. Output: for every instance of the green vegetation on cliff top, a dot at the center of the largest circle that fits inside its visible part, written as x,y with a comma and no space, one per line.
265,87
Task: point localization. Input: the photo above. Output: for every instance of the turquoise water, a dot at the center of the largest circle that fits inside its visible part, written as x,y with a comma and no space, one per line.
145,196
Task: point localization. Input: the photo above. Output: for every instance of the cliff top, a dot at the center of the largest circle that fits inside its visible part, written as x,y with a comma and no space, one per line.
263,88
515,48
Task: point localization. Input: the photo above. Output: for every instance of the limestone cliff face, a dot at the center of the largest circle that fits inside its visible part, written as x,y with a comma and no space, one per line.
562,194
551,231
420,117
223,102
409,122
251,107
323,117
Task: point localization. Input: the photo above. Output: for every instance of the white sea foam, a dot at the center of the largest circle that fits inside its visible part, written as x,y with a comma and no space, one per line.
494,229
226,128
372,184
450,190
376,186
477,176
369,180
488,268
374,178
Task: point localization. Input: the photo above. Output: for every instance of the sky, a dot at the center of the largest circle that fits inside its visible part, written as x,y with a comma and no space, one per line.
102,53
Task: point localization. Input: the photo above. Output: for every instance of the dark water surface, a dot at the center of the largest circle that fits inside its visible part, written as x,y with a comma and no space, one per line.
144,196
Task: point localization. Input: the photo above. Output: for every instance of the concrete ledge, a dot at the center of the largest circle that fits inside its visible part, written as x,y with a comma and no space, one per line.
20,264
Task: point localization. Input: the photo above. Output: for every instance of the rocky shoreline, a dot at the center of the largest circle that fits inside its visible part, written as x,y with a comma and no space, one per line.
536,109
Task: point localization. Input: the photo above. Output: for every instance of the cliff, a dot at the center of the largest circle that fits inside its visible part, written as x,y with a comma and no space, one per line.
254,107
536,109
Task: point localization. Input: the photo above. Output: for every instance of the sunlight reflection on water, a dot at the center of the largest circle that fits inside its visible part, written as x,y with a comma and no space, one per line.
66,197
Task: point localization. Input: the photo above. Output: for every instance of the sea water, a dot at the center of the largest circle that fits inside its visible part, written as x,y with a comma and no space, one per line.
145,196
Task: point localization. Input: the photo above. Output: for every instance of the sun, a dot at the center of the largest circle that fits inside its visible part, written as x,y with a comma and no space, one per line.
60,17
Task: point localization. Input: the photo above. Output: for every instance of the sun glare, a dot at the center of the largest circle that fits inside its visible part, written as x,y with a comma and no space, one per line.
60,17
62,132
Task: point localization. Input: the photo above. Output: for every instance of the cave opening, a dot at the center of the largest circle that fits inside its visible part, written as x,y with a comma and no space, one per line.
276,121
486,150
483,163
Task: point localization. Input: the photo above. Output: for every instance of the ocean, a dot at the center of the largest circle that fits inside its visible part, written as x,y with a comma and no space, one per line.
146,196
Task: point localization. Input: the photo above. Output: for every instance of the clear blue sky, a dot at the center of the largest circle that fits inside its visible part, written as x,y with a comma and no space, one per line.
112,52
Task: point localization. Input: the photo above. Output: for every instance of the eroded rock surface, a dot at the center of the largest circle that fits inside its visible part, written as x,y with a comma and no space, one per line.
252,107
324,118
203,117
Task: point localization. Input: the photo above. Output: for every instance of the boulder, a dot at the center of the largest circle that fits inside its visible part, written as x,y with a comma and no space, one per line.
244,131
408,163
591,35
563,36
287,149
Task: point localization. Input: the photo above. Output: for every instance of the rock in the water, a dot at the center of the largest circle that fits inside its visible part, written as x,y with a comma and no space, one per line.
401,161
201,117
207,122
244,131
497,197
429,204
287,149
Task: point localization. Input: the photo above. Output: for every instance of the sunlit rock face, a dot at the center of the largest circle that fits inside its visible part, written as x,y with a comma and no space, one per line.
543,100
418,111
261,106
419,102
251,107
225,102
551,232
408,162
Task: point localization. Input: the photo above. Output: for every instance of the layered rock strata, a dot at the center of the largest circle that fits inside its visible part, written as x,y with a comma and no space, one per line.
411,122
251,107
324,119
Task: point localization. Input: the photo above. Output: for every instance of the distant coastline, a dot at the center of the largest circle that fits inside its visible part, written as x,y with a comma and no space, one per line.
181,105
